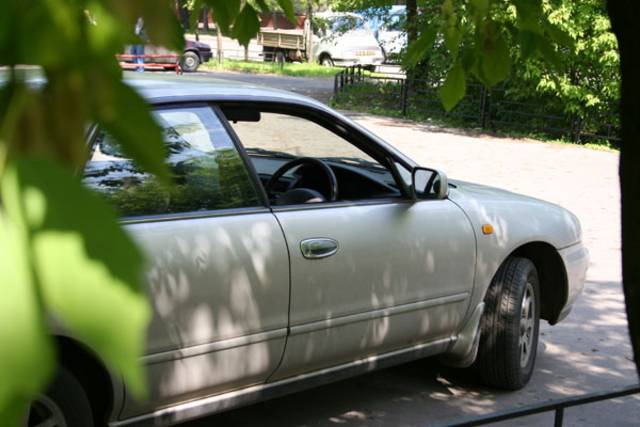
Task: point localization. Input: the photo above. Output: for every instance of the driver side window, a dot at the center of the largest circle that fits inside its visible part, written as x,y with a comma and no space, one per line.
295,158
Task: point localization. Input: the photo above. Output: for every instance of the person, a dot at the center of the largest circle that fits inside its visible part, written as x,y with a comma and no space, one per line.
138,49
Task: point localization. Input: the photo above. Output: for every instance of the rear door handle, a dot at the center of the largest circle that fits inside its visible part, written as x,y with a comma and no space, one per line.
317,248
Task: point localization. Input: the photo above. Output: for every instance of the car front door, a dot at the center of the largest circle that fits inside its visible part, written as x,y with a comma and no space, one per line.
371,272
217,274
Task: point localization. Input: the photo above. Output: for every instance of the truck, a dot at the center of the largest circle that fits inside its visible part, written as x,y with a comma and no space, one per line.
337,39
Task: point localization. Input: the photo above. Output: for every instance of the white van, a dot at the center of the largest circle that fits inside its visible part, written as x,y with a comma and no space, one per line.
344,39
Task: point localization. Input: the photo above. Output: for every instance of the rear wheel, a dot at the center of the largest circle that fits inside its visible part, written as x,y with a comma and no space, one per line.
326,61
509,326
190,62
64,404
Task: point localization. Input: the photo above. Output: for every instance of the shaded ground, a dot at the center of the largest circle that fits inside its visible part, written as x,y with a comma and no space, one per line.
587,352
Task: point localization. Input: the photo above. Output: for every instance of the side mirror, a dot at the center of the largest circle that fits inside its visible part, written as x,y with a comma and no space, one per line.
429,184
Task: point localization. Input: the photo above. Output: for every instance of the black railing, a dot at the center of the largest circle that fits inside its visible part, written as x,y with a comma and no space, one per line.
558,406
493,109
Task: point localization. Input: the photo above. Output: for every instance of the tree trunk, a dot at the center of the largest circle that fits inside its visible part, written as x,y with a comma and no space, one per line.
309,41
205,19
219,44
184,14
625,16
412,36
412,17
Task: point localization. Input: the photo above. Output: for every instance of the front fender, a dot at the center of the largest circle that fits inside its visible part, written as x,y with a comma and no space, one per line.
516,220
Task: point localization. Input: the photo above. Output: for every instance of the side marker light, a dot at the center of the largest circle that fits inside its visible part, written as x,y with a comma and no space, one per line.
487,229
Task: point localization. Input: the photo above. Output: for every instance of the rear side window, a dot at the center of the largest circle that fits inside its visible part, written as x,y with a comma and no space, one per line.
207,170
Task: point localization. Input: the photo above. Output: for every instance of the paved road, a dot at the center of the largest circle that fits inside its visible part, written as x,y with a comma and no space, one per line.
318,88
587,352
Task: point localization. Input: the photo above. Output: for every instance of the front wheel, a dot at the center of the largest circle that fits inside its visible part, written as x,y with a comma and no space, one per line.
190,62
509,326
326,61
64,404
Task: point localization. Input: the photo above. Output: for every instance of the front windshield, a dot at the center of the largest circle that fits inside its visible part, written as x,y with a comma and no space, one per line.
343,24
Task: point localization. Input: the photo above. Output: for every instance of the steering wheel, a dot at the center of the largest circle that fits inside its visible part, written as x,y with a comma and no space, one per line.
311,194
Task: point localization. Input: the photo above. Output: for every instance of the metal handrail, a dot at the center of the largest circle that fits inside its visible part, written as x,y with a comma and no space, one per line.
557,405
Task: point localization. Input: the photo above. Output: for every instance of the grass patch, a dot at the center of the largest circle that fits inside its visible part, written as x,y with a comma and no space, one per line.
294,69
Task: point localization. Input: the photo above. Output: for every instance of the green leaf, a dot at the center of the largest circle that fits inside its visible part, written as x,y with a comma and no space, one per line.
479,8
162,26
27,359
246,25
160,20
495,61
529,13
224,12
559,35
195,14
126,116
421,47
88,269
454,87
548,52
263,6
451,28
287,8
528,43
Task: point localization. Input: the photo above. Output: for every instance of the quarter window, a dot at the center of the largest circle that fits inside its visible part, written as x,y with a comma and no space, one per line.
207,170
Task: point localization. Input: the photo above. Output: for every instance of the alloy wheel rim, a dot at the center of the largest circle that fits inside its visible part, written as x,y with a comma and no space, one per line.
527,325
44,412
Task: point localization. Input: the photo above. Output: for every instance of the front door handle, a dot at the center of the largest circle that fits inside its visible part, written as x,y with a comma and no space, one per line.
317,248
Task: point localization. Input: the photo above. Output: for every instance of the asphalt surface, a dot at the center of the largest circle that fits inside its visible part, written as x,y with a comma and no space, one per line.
587,352
318,88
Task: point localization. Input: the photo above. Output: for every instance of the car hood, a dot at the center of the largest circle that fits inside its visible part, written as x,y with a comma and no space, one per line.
196,45
516,218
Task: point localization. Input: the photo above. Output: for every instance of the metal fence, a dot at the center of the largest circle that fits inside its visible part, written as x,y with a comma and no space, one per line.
557,406
493,109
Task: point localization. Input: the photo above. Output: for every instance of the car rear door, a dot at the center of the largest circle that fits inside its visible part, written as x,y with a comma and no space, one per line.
218,273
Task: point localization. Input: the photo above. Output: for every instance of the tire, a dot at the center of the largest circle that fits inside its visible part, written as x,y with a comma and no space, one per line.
190,62
326,61
509,326
65,403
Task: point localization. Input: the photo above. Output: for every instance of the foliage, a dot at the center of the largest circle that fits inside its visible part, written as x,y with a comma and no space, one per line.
64,260
575,75
475,40
577,72
589,81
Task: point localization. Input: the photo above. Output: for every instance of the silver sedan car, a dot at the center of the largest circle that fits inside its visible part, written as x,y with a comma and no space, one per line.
297,248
